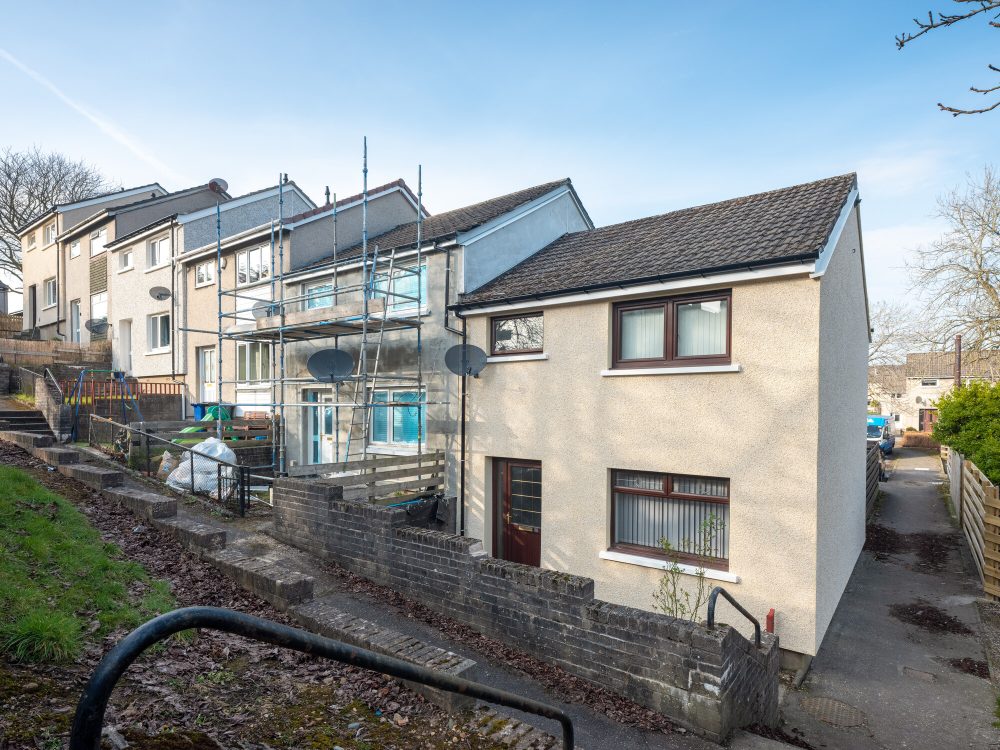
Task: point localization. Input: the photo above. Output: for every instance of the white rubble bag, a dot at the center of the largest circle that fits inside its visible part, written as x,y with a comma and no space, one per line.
206,472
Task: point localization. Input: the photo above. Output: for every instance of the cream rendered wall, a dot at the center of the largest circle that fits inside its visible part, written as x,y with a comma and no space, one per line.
78,277
757,427
39,264
843,390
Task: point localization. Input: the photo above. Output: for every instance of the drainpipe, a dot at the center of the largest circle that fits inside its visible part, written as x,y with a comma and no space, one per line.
59,289
461,467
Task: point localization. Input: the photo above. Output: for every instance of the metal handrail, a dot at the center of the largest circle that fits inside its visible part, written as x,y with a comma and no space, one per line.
739,608
89,718
52,378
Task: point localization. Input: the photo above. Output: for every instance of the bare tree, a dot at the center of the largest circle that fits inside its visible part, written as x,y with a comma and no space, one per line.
958,275
893,336
986,9
30,182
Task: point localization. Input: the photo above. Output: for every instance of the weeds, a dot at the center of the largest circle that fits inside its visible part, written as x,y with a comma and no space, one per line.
672,597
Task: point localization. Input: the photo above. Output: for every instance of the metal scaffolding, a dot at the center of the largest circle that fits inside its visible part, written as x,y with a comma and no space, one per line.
365,308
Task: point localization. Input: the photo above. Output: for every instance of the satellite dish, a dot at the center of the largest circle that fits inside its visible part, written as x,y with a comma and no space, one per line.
160,293
97,325
218,185
263,309
465,359
330,365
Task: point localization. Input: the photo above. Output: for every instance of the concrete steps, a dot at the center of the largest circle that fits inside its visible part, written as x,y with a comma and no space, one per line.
196,536
27,420
93,476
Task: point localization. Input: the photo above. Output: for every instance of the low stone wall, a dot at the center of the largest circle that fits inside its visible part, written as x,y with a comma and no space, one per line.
709,681
58,415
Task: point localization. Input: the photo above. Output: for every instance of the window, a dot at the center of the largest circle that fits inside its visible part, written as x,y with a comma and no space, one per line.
407,291
30,240
50,233
253,362
319,295
929,382
519,334
125,260
158,336
253,265
692,513
895,417
99,306
74,249
159,252
204,273
97,241
672,332
51,292
74,321
398,425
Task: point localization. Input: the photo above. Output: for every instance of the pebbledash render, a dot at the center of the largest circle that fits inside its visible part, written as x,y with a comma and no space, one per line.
701,369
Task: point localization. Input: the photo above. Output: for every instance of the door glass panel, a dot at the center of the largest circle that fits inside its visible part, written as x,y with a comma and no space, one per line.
526,495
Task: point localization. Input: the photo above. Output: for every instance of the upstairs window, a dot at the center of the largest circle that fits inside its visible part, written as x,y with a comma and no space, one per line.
319,295
125,260
253,265
98,240
517,334
406,291
74,249
31,240
51,292
50,233
204,273
689,512
159,252
931,382
673,332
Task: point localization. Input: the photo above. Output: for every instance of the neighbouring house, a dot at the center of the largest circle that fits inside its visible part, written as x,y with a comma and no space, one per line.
699,371
909,392
44,259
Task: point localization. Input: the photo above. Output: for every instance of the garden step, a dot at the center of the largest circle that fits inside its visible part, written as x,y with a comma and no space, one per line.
93,476
196,536
20,413
272,581
146,504
27,440
56,456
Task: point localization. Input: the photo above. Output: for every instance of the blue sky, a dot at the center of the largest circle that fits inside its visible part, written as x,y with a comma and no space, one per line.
647,107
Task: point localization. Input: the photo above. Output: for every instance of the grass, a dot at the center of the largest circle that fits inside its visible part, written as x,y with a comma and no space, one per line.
61,584
23,398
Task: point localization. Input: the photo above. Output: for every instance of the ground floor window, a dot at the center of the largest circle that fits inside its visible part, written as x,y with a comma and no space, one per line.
253,362
398,424
158,335
689,512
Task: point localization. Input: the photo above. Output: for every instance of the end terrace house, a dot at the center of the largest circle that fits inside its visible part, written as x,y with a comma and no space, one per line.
708,364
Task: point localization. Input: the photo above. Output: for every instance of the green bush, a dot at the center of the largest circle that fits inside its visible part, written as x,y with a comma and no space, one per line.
969,422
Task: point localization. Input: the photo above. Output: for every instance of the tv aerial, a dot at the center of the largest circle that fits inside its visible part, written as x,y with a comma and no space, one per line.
465,359
160,293
98,326
330,365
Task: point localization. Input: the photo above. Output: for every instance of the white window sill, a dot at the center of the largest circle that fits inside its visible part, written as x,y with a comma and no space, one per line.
99,252
49,307
516,357
693,370
424,311
650,562
204,284
393,450
157,267
253,386
71,257
152,352
126,269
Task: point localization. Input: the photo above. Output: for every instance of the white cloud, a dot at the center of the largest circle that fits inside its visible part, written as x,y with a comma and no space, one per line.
104,125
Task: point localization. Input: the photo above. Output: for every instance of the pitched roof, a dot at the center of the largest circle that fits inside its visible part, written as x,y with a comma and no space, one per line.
975,364
786,225
70,204
400,183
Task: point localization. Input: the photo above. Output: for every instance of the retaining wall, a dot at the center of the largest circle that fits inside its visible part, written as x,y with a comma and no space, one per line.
709,681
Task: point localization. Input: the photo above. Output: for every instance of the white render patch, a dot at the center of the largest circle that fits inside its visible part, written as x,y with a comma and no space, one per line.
669,370
649,562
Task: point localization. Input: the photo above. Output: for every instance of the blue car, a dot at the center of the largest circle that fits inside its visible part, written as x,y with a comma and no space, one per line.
880,433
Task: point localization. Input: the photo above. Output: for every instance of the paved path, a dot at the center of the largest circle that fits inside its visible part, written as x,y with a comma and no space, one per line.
895,674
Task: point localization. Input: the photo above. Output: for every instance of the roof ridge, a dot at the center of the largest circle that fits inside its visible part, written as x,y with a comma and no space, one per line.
399,182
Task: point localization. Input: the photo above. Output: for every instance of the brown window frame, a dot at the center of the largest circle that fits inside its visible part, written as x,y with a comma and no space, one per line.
514,352
670,357
713,563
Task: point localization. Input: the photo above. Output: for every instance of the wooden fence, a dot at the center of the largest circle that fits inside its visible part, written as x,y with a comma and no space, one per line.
91,391
21,352
10,325
382,478
873,473
237,433
976,502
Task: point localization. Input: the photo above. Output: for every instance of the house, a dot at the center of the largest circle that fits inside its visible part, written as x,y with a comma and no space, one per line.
694,375
44,259
909,392
145,329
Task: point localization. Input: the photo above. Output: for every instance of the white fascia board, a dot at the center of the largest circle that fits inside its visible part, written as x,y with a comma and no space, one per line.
483,230
358,202
838,228
246,199
113,196
735,277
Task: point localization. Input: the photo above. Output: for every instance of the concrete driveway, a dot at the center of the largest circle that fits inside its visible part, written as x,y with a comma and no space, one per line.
883,677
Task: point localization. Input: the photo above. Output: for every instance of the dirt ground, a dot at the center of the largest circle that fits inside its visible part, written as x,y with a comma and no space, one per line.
213,689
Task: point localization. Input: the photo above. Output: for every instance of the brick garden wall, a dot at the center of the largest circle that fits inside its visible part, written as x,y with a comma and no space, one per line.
709,681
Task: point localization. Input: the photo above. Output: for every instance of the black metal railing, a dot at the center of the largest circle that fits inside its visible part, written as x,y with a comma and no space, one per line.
234,488
89,719
739,608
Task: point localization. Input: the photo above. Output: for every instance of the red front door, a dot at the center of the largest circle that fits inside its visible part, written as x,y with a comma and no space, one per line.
927,419
517,493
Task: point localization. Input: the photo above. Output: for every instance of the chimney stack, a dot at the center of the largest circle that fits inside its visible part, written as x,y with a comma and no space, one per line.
958,361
